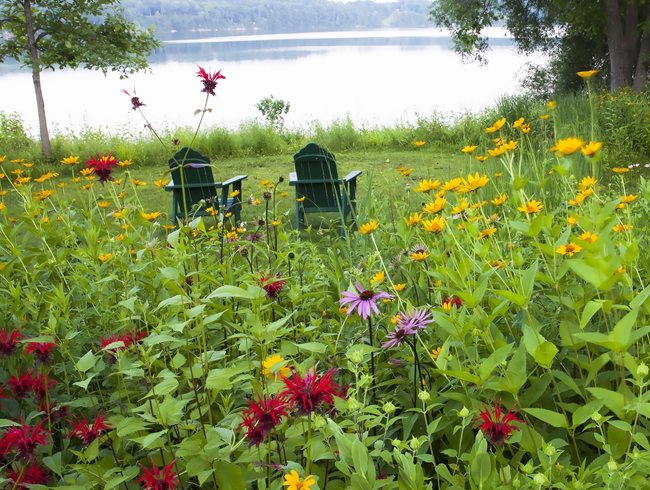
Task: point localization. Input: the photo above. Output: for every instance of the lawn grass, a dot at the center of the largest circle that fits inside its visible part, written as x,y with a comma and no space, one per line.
378,167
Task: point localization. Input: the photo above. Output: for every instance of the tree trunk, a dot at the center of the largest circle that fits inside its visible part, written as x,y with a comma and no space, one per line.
620,59
641,71
36,77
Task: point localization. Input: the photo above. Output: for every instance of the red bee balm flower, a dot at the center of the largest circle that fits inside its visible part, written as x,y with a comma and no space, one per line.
155,479
88,433
41,350
135,100
498,427
21,385
102,165
8,341
31,475
272,285
261,417
309,393
209,80
23,441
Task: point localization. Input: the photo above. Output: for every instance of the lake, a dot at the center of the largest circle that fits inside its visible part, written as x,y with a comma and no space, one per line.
376,78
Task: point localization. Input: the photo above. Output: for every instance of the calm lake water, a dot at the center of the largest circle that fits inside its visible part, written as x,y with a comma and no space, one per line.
376,78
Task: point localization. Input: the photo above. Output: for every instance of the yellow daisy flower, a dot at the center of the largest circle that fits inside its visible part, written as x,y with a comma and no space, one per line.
435,206
150,216
427,185
569,249
369,227
469,149
435,225
499,200
293,481
568,146
587,74
590,237
531,207
275,367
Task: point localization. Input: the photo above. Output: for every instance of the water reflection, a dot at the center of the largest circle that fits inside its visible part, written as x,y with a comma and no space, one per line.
377,80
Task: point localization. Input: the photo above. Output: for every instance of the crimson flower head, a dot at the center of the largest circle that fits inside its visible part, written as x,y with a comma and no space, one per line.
21,385
23,441
209,80
497,427
272,285
261,417
155,479
41,350
81,429
307,394
41,384
364,301
102,165
32,474
8,341
135,100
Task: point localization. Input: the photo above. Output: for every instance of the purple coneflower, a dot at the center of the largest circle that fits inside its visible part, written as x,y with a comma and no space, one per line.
407,324
365,301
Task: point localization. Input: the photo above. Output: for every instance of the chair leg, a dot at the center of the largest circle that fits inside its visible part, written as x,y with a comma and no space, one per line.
300,217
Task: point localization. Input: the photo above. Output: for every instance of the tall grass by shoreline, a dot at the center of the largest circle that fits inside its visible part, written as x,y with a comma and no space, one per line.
623,122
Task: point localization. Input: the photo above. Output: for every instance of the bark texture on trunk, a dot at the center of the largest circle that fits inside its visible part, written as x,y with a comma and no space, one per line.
36,77
628,43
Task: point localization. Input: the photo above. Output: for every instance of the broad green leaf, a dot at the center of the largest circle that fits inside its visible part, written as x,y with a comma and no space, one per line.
590,309
228,291
494,359
130,425
613,400
229,476
516,374
592,275
481,468
220,379
152,440
315,347
87,361
581,414
550,417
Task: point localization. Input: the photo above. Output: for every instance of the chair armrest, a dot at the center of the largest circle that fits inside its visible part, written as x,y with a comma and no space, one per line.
315,181
352,175
238,178
171,186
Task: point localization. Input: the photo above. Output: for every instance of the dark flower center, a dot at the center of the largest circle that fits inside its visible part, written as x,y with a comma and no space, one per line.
366,295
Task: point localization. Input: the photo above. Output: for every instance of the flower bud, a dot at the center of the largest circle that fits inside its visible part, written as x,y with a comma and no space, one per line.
539,479
597,417
414,443
389,407
356,356
550,450
612,466
424,396
464,412
642,370
354,404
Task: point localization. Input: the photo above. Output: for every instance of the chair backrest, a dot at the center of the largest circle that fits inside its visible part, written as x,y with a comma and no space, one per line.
317,178
196,171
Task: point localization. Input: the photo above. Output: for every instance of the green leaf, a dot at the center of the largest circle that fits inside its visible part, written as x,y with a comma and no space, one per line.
165,387
493,360
612,399
228,291
581,414
592,275
86,362
516,374
152,440
220,379
590,309
550,417
480,468
315,347
229,476
130,425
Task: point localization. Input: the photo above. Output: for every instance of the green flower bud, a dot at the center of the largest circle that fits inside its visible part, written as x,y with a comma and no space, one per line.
424,396
464,412
642,370
539,479
389,407
414,443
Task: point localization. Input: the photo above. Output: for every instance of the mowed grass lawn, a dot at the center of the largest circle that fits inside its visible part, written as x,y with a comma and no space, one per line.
380,174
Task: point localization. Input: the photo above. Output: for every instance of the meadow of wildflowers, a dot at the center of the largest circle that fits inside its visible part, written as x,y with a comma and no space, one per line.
478,330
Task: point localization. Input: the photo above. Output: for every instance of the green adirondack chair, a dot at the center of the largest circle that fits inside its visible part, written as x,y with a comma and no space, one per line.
316,179
200,186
